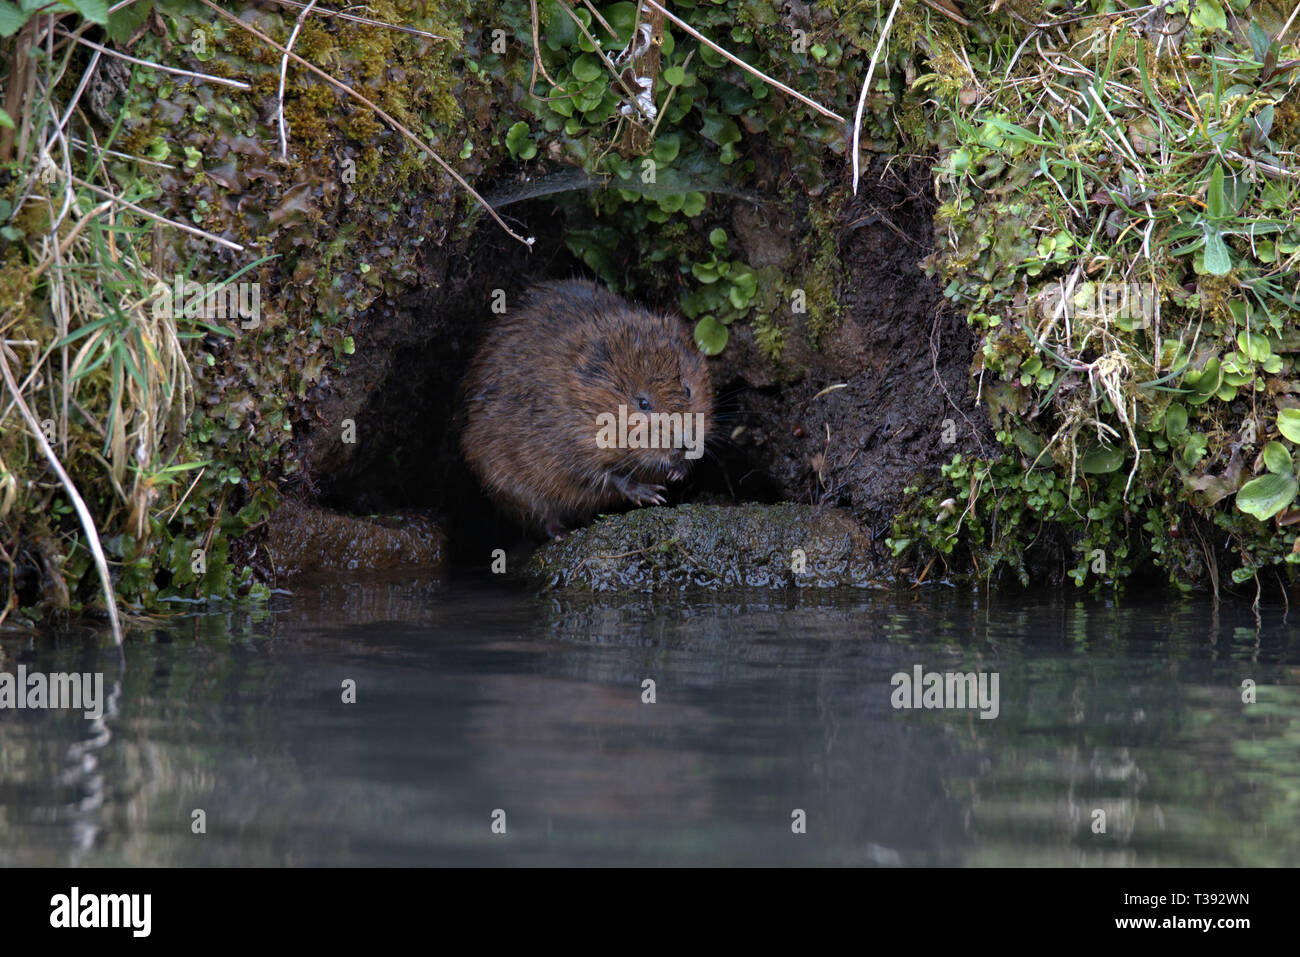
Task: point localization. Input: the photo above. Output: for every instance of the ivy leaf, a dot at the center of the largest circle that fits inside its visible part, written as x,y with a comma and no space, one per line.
1267,495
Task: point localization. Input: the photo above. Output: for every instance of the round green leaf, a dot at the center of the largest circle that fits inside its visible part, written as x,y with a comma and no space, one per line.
1267,495
588,67
672,202
1209,14
712,58
1254,345
519,141
621,16
745,283
1208,380
1175,421
1277,459
693,205
705,272
1102,459
667,147
1288,423
711,336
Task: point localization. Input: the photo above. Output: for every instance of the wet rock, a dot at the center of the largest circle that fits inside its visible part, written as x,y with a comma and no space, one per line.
712,546
304,538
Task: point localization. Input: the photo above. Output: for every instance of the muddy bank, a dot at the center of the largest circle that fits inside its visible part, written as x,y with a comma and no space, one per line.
883,396
305,539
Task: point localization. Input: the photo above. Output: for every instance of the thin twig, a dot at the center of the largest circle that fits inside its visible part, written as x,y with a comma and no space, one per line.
284,71
339,84
207,77
866,85
95,213
212,237
1287,26
325,12
741,63
82,144
87,521
537,55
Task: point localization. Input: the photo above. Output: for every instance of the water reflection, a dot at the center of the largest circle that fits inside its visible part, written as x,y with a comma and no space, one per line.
472,699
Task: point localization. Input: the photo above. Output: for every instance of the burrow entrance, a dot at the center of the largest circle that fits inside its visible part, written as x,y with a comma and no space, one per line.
901,358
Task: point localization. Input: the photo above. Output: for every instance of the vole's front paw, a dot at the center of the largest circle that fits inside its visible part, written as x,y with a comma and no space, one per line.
639,493
642,494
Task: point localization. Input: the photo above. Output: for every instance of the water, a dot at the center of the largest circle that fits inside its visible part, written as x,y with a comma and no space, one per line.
473,698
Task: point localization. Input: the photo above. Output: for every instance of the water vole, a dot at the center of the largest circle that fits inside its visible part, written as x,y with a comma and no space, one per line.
568,398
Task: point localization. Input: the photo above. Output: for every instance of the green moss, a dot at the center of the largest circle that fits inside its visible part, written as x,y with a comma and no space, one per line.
822,275
769,337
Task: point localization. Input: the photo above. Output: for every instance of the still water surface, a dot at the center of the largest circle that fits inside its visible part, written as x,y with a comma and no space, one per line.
472,698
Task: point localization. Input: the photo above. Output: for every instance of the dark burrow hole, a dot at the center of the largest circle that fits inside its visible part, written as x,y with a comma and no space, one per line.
407,455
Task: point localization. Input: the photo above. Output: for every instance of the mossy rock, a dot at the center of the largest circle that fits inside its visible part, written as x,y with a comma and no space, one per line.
712,546
305,539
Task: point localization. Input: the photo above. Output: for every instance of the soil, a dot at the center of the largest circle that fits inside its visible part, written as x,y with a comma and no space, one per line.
898,363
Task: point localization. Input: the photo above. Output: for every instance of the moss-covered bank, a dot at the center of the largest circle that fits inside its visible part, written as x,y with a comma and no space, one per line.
1083,148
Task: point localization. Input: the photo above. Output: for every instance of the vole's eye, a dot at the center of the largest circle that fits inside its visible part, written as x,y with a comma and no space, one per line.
686,390
643,402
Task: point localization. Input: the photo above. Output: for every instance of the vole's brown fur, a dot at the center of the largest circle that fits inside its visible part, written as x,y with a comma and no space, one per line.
546,370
